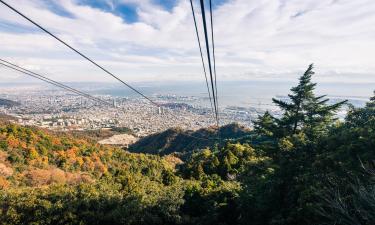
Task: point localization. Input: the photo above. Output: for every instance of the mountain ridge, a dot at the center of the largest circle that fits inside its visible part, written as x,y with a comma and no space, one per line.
177,140
8,103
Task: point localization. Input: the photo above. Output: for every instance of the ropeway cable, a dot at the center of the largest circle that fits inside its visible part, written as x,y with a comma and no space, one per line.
201,54
214,57
85,57
209,58
66,87
50,81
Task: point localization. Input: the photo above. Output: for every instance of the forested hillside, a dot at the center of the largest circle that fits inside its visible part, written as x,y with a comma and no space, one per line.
305,167
181,141
50,179
8,103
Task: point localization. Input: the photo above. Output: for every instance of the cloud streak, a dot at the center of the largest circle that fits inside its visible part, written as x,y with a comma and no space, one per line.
271,39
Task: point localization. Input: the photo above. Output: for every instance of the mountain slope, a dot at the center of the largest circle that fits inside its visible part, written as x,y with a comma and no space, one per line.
178,140
8,103
56,178
32,156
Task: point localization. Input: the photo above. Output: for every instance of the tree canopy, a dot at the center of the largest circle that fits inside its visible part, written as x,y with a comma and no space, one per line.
303,167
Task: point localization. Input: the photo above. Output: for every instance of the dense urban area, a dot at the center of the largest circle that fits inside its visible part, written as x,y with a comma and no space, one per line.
59,110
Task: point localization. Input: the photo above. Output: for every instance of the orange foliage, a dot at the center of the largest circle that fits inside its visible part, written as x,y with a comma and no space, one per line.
61,153
41,162
58,176
76,178
12,141
95,157
3,156
81,142
3,183
23,144
38,177
55,141
86,178
41,150
72,152
5,171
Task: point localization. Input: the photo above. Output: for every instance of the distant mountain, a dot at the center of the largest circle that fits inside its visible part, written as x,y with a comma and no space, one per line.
8,103
183,141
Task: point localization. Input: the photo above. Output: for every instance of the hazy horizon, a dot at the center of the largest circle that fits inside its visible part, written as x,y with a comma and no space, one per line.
231,93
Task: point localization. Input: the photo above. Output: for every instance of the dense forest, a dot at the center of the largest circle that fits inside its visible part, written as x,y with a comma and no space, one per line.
305,167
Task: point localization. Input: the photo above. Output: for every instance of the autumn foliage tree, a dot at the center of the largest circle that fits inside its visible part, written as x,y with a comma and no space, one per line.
302,167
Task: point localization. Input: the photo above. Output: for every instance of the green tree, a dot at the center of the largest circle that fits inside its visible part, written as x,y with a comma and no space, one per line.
292,141
355,208
265,124
304,111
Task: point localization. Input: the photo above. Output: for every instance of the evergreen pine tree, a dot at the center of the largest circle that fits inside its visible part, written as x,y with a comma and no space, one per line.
265,124
304,111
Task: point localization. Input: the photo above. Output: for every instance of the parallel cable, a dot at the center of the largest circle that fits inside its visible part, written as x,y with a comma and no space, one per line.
47,80
93,62
50,81
200,50
65,87
214,61
79,53
209,57
213,56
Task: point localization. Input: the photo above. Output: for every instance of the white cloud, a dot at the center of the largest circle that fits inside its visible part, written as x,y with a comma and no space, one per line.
254,39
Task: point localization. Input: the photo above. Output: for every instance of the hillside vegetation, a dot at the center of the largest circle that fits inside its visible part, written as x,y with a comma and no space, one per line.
305,167
50,179
182,141
8,103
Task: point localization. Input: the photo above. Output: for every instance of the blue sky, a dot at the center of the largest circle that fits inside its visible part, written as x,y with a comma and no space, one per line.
128,10
146,40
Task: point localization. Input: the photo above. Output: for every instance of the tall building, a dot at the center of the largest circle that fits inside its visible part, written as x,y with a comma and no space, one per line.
160,110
